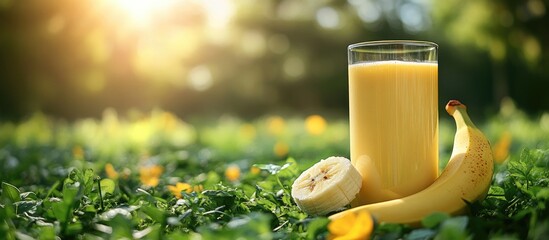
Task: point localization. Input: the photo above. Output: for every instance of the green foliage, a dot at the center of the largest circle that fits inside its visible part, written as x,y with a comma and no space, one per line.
11,192
59,185
515,208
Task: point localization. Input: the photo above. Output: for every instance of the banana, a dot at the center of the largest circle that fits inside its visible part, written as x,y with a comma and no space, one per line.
466,178
326,186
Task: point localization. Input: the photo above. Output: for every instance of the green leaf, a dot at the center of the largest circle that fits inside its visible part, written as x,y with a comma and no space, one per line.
250,226
434,219
176,235
53,188
107,186
389,231
496,190
27,206
317,227
28,196
11,192
84,178
420,234
74,228
46,232
453,228
272,168
89,209
154,213
540,231
88,177
71,192
290,169
121,227
61,211
542,160
543,194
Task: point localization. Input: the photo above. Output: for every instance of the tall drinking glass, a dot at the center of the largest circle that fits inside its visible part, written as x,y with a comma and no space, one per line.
393,117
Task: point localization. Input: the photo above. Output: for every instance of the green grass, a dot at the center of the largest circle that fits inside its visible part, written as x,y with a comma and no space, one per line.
54,182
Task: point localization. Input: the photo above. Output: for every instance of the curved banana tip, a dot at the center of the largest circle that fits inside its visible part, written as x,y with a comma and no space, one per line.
452,105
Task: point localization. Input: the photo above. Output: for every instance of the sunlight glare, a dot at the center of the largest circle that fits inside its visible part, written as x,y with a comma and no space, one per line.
219,12
140,12
165,34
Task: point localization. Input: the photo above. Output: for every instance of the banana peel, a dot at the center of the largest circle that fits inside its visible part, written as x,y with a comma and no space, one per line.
465,179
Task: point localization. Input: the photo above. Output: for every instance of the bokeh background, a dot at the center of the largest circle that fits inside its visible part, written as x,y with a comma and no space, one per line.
73,59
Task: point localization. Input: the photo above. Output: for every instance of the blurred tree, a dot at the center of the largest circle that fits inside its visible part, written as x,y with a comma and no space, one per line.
512,35
75,58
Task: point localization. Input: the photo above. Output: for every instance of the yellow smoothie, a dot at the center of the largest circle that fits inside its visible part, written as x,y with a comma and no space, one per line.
393,127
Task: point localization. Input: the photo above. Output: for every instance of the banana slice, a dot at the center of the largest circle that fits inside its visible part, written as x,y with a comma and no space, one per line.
327,186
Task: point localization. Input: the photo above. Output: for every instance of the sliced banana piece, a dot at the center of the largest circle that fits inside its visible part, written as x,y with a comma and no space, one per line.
327,186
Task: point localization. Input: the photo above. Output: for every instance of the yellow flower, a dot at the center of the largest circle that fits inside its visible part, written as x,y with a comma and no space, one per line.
255,170
281,149
232,173
150,175
276,125
179,187
501,148
353,225
111,172
78,152
315,124
198,188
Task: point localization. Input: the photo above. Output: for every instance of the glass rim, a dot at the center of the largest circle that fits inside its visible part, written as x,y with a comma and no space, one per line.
379,43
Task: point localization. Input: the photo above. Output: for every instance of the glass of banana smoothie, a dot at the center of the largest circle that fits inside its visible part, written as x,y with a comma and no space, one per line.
393,117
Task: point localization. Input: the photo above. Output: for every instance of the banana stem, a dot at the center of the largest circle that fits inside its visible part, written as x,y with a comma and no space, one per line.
458,110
